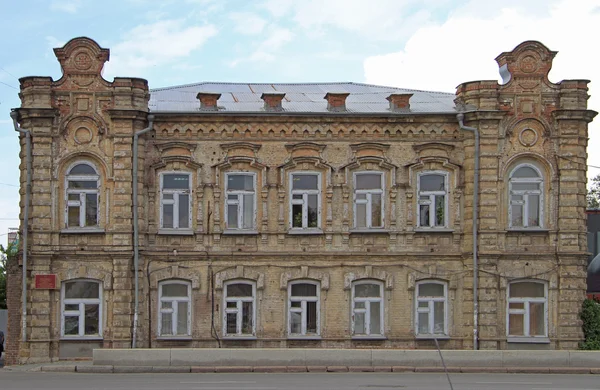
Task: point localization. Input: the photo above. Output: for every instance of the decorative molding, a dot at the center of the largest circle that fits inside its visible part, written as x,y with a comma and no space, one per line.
304,272
369,273
239,272
174,272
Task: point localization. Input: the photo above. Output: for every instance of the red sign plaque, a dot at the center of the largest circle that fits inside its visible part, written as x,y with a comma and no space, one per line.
45,282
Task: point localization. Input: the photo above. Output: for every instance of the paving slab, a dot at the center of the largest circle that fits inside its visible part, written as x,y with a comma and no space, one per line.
316,368
296,369
132,357
360,368
337,368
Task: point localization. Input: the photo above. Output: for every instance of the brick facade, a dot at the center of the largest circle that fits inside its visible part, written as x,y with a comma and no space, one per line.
82,117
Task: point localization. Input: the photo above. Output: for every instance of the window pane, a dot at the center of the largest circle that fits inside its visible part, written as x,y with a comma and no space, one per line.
297,215
376,211
424,215
517,215
432,183
91,209
176,181
74,307
536,319
438,317
73,215
423,323
184,211
304,290
525,172
87,184
232,216
74,197
248,211
72,325
247,318
92,315
239,290
305,182
361,215
166,307
240,182
166,324
82,169
369,181
361,196
440,210
527,290
311,317
232,323
297,304
515,325
359,323
232,304
295,323
182,314
533,219
313,211
516,305
359,305
81,289
375,318
167,216
423,305
431,290
525,186
175,290
367,290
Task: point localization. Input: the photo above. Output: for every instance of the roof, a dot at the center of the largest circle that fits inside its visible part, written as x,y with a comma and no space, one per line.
299,98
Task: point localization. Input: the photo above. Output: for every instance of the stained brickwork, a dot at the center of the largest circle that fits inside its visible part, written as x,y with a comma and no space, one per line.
82,117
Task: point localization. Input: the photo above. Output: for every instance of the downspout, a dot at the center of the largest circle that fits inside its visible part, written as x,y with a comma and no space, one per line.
460,117
135,227
27,134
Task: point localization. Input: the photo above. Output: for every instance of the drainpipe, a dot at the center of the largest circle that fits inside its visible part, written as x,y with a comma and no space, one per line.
27,134
475,131
135,226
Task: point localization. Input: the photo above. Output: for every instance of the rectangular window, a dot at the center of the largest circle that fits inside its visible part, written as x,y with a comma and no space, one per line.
240,201
527,310
175,201
431,309
305,205
367,309
81,309
174,308
368,200
303,313
432,200
239,313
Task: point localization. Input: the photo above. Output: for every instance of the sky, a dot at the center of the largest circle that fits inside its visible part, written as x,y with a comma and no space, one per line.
421,44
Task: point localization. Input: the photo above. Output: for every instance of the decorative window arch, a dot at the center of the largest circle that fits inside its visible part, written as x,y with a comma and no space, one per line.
526,197
527,309
82,195
367,313
239,308
431,308
174,308
81,309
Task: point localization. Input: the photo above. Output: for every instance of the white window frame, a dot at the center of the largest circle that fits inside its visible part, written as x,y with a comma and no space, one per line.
368,201
238,310
303,310
525,203
82,192
304,200
526,310
175,201
239,202
81,310
431,201
430,309
367,309
174,310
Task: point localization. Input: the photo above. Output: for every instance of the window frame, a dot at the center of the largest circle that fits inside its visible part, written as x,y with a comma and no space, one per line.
368,201
240,204
526,311
525,194
175,201
367,310
304,201
430,310
303,310
432,195
81,311
82,192
239,309
174,309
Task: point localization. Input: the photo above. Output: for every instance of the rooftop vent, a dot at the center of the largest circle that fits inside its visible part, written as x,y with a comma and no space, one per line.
208,100
273,100
336,101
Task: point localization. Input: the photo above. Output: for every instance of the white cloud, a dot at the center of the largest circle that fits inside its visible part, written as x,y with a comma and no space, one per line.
156,44
463,48
69,6
247,23
266,50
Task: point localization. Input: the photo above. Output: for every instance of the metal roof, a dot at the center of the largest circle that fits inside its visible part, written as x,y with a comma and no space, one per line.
299,98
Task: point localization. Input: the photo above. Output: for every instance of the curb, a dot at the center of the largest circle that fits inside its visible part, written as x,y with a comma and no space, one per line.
91,369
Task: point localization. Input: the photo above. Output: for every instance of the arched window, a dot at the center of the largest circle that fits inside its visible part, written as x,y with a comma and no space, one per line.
239,313
433,199
303,309
82,193
367,308
527,314
81,309
175,309
526,184
431,308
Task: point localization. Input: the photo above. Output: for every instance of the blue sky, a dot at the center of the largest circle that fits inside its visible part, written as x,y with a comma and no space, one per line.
422,44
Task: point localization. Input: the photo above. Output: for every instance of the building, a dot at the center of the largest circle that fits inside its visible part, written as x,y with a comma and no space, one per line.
300,215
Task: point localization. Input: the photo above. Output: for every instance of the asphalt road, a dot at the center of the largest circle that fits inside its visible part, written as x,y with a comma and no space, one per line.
315,381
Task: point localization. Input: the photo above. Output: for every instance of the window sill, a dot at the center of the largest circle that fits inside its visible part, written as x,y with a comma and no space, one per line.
525,230
174,338
239,338
433,230
81,338
305,232
369,231
308,338
175,232
528,340
432,336
82,231
231,232
369,337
